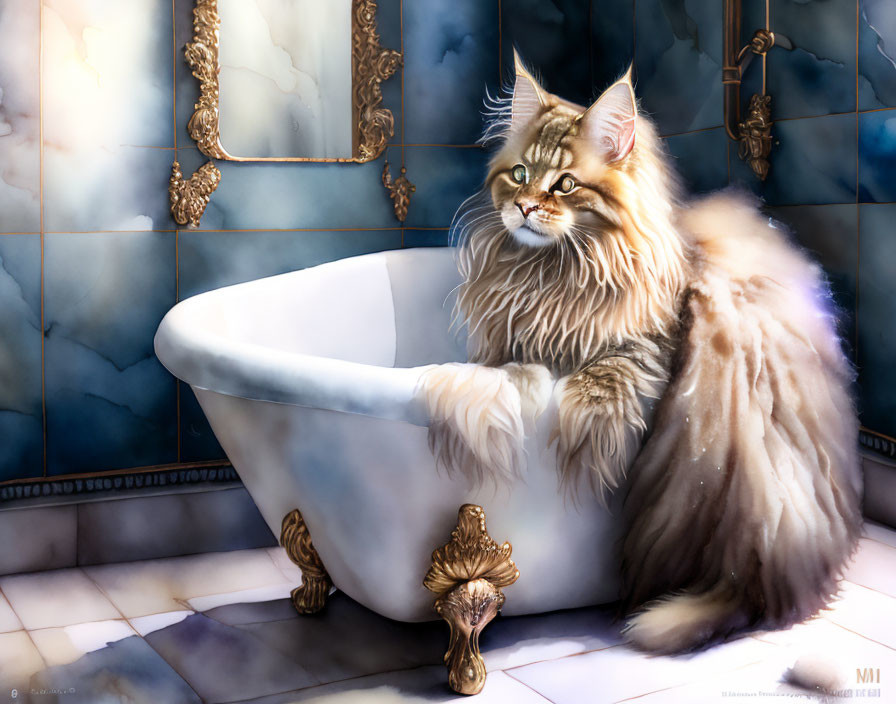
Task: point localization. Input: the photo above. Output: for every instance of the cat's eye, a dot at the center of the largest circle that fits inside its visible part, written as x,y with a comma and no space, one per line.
565,184
519,173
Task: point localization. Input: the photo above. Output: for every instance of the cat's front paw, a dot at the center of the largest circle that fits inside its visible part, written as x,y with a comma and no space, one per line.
476,425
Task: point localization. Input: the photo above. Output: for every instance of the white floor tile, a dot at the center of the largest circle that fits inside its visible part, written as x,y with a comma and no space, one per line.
246,596
8,619
866,612
619,673
158,586
874,566
60,646
19,660
56,598
144,625
880,533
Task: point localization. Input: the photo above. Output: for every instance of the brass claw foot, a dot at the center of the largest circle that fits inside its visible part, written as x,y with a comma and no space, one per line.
467,574
312,595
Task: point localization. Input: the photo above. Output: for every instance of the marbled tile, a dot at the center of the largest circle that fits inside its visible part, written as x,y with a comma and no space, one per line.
8,619
210,260
444,177
144,625
60,646
621,673
877,156
44,538
701,159
877,54
678,60
169,525
612,40
867,612
874,566
19,116
110,403
274,592
126,670
288,196
317,644
451,58
95,189
56,598
818,76
243,613
158,586
21,415
877,333
19,660
107,74
423,684
830,234
427,238
521,640
243,665
197,439
813,162
557,51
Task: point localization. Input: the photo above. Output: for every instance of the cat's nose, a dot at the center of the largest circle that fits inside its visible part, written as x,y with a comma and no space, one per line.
527,207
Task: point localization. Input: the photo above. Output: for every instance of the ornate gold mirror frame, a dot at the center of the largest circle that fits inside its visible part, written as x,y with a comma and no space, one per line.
374,124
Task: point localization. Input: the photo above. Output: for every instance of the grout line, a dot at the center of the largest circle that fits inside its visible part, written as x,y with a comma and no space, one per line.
858,215
174,72
693,682
43,357
856,633
403,115
527,686
177,382
507,670
879,542
681,134
870,589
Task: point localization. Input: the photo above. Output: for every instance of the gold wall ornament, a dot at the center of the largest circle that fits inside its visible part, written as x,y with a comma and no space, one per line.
400,190
756,135
189,198
467,574
371,65
312,595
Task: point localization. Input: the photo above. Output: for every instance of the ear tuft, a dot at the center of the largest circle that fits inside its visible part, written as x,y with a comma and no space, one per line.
610,121
528,96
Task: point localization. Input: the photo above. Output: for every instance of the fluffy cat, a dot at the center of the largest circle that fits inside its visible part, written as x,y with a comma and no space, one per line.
698,363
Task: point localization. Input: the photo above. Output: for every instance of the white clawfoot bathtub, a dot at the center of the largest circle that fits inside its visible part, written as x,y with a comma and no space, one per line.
308,381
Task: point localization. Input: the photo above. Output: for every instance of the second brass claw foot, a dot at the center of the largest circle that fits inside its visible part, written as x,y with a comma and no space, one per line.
467,575
312,595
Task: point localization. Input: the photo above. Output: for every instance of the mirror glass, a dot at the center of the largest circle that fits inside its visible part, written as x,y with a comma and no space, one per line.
285,78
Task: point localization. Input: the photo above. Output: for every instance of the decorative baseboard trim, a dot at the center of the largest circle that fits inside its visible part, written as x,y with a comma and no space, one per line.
877,443
135,479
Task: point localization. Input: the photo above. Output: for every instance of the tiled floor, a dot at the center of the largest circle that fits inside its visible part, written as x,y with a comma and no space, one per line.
219,628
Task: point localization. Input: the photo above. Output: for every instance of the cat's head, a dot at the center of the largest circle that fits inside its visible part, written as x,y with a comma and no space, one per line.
564,170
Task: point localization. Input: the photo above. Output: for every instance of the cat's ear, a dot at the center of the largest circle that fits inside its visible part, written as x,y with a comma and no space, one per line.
610,121
528,96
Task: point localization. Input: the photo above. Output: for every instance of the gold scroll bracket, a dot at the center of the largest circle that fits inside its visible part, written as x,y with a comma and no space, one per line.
467,575
189,197
294,536
400,190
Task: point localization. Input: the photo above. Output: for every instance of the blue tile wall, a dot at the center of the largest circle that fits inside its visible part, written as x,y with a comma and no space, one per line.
21,416
877,337
877,156
678,61
877,54
110,403
818,76
451,57
701,158
114,118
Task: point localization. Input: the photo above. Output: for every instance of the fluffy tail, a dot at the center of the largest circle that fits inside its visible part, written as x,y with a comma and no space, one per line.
744,502
684,622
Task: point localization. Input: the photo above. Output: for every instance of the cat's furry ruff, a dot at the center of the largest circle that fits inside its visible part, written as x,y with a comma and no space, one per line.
743,500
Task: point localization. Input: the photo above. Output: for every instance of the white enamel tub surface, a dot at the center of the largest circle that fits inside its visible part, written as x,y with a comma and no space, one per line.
308,381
